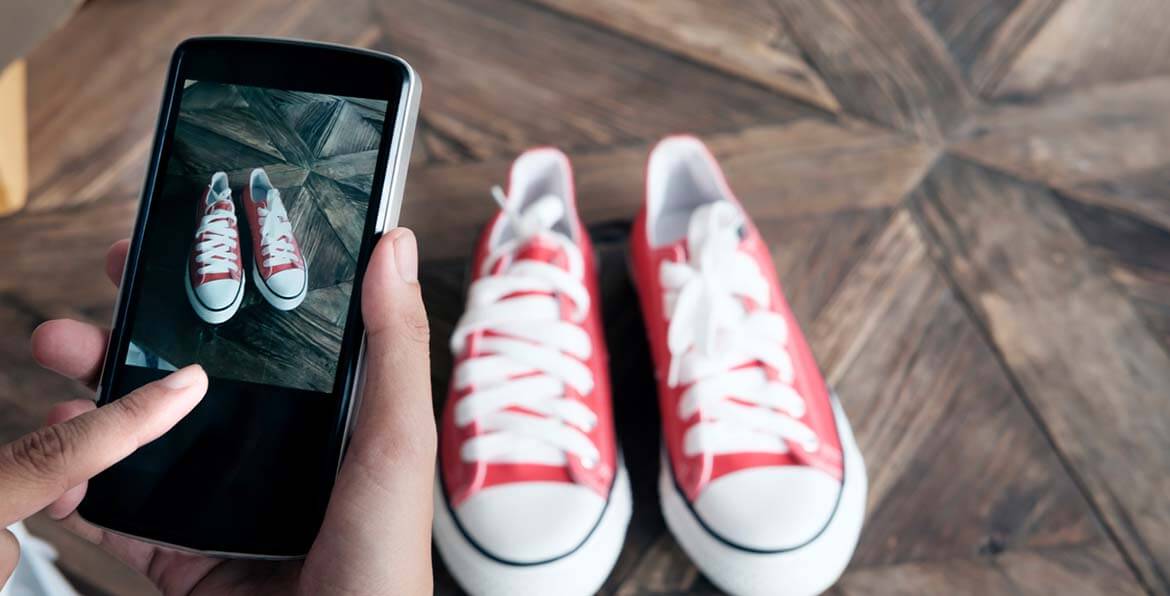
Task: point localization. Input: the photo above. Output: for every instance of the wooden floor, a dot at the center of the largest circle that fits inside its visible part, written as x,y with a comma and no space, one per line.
967,203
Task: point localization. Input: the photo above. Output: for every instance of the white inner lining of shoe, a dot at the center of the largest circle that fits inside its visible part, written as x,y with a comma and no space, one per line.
680,179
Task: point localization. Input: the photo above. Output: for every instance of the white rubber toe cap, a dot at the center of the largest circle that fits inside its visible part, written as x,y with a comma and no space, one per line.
289,283
218,294
530,522
770,508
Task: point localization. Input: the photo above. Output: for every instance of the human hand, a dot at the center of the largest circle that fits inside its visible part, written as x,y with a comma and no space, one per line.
375,537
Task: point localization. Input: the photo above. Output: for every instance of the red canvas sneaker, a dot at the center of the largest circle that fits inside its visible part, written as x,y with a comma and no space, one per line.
761,482
278,269
215,279
531,495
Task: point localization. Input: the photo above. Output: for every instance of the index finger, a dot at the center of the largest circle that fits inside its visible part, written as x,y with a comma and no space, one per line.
39,467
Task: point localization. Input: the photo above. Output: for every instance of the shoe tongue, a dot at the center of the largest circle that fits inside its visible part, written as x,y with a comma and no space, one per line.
543,248
221,200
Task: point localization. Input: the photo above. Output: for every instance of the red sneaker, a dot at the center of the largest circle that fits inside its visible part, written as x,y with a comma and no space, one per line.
761,482
278,269
531,495
215,279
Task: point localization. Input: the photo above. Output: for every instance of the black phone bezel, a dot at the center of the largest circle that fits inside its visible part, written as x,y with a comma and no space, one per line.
281,64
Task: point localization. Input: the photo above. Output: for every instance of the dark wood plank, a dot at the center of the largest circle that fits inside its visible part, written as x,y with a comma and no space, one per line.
985,36
343,207
27,391
883,61
1102,133
1088,42
1136,254
1142,194
516,75
663,569
815,253
746,38
1087,570
94,89
1085,360
956,465
79,237
803,168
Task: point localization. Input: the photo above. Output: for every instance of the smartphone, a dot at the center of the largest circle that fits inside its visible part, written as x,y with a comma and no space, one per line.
276,166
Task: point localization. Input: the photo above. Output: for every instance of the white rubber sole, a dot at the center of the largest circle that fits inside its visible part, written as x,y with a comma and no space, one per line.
279,302
808,569
582,571
215,317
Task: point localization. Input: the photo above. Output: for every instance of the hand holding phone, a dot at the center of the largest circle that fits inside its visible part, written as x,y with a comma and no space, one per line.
377,529
276,166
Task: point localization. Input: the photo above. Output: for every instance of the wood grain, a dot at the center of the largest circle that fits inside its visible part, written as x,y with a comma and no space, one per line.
1128,42
1075,571
1101,133
1140,194
35,276
745,38
27,391
985,36
951,451
567,83
1136,254
883,61
1082,356
98,90
804,168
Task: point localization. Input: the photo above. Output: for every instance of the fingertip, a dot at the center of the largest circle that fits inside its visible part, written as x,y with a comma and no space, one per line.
116,260
46,340
189,376
405,254
391,276
71,348
186,387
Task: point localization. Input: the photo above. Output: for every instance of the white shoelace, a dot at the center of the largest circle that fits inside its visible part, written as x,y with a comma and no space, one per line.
276,232
215,252
716,345
532,356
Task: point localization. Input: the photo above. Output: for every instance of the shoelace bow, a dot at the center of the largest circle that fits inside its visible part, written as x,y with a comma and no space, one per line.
276,231
530,358
218,235
722,348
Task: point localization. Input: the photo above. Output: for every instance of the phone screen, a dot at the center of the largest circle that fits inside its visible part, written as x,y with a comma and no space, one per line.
254,236
267,187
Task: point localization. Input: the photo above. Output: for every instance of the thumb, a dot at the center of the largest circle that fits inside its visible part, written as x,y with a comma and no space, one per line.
376,533
396,414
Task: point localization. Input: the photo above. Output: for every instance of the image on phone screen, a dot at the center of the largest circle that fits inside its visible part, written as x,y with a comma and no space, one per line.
253,247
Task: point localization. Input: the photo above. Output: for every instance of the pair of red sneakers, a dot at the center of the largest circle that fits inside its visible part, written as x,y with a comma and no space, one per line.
761,482
215,278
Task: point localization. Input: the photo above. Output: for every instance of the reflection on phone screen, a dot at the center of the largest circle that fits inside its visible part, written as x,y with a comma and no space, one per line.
252,248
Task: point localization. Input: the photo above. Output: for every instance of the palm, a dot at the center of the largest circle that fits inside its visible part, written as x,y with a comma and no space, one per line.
186,574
